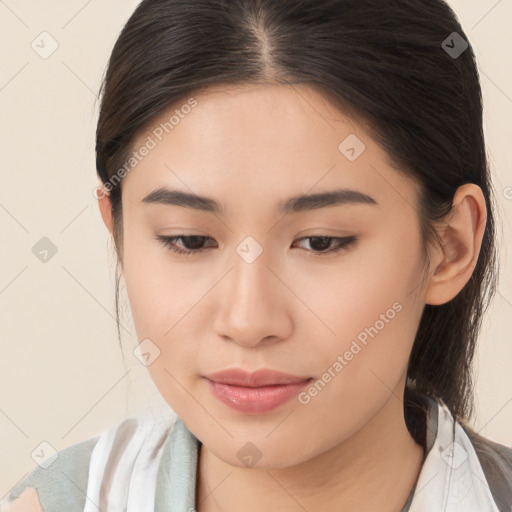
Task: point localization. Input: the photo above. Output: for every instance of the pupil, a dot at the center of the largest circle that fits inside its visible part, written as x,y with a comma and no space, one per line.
197,239
323,245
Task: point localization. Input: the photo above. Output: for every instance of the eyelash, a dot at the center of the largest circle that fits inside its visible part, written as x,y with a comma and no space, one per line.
344,243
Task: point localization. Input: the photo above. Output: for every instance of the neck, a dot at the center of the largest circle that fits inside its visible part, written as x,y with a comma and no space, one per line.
375,469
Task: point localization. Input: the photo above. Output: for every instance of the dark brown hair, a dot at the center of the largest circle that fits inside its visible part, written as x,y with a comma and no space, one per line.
391,64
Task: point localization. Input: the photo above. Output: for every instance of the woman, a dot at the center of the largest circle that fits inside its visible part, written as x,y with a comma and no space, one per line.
302,213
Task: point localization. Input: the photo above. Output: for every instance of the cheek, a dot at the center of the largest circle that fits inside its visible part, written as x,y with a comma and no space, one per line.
161,309
165,298
372,315
153,285
373,280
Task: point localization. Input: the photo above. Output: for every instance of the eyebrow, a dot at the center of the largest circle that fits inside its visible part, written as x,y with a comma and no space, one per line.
339,197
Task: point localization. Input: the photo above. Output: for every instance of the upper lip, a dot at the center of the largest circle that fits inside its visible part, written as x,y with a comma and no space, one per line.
262,377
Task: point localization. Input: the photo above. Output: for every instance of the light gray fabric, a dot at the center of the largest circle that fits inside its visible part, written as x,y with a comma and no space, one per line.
496,461
62,486
176,479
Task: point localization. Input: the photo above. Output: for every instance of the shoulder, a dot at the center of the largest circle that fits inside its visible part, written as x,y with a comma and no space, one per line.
496,462
56,481
475,468
64,482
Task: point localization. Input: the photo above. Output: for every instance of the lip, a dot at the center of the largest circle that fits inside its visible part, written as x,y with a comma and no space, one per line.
256,392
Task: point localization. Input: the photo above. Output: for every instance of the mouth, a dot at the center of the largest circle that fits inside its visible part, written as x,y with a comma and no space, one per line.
257,392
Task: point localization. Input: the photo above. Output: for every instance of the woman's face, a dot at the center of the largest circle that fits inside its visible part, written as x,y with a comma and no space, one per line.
260,293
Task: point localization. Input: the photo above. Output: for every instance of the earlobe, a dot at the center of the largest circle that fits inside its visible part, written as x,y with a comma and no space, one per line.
461,235
105,206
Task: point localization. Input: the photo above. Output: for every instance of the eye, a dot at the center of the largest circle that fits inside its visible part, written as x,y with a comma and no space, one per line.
321,244
195,241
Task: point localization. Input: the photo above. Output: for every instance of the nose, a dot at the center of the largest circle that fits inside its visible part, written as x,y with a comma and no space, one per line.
253,304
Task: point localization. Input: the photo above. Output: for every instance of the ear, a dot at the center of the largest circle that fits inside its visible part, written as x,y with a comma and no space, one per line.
461,233
105,208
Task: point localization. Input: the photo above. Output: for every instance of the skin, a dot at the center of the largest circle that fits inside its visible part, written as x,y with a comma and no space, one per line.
293,309
28,500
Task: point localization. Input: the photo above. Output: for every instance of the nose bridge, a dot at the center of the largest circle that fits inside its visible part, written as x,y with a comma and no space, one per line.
248,306
250,284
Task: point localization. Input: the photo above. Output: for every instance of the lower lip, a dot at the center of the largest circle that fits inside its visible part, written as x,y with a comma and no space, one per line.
255,400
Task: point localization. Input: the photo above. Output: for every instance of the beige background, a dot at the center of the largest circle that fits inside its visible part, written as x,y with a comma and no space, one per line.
62,376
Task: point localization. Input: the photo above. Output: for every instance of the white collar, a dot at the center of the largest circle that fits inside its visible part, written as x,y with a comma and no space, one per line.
452,478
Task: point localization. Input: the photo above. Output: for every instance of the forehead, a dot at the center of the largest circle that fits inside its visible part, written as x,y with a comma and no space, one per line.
259,140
